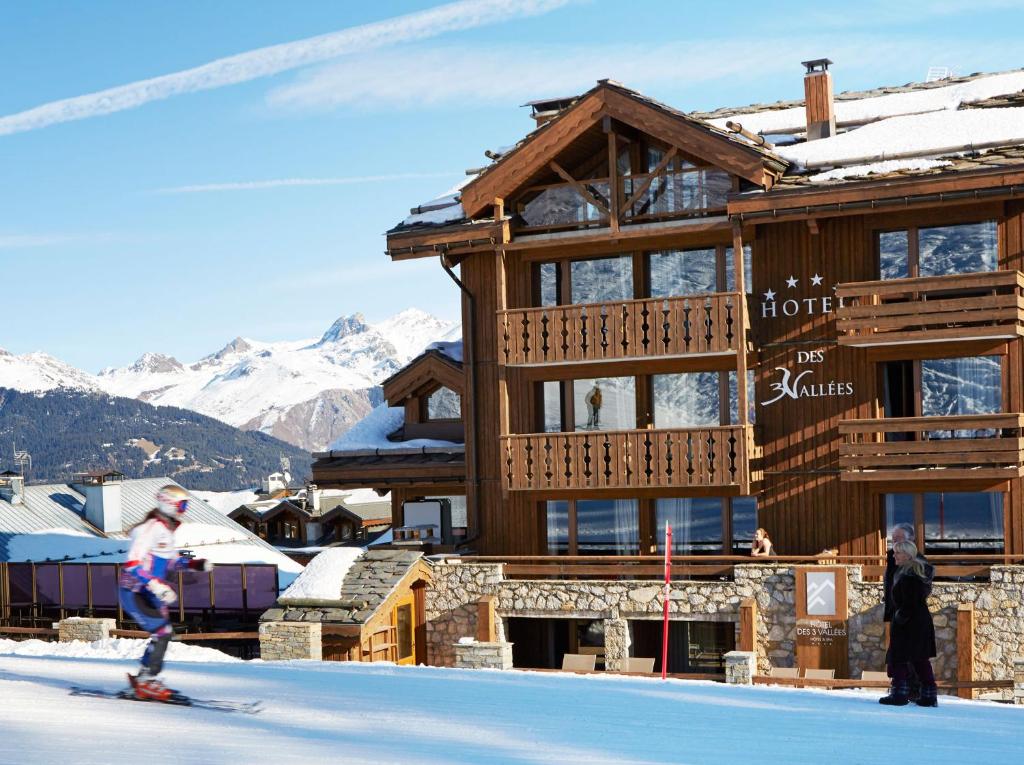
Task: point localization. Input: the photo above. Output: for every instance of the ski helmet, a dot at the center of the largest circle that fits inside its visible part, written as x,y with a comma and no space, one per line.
172,500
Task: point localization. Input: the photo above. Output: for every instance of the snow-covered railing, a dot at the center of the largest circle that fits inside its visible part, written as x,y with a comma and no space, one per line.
623,329
984,305
676,458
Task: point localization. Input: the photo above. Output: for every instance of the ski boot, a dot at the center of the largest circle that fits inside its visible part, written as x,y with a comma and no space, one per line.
148,688
929,696
899,696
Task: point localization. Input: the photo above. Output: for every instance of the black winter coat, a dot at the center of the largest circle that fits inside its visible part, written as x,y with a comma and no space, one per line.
912,633
890,573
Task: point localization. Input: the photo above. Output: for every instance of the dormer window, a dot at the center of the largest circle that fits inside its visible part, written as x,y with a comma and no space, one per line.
444,404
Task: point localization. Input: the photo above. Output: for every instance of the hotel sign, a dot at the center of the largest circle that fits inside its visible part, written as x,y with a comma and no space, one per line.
822,609
799,379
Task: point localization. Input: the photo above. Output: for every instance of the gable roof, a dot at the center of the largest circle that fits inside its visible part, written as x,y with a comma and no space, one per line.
432,368
518,167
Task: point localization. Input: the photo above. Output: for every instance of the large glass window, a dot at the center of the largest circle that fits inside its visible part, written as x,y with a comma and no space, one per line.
734,398
969,385
608,403
605,279
958,249
549,283
683,272
696,524
552,407
744,523
938,251
730,272
688,400
558,527
607,527
963,522
954,522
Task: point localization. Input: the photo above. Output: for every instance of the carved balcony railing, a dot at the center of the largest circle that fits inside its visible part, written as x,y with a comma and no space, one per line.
670,458
985,305
625,329
959,447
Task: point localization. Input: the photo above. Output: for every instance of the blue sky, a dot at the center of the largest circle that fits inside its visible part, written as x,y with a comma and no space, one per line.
111,245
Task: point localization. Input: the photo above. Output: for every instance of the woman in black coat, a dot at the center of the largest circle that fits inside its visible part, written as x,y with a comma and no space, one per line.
911,633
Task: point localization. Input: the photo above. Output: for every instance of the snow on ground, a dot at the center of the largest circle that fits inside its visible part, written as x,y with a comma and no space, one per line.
321,581
114,648
379,713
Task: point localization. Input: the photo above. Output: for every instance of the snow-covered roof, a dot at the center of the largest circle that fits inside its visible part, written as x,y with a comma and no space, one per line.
371,433
451,349
49,524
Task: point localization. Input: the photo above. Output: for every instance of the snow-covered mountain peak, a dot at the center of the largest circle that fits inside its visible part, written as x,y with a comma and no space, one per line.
156,363
237,346
344,327
38,371
412,330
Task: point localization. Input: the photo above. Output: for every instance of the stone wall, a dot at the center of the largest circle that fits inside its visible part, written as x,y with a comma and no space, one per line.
281,641
999,612
483,655
80,628
457,587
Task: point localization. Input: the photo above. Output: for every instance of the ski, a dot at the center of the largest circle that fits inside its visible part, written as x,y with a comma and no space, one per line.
178,699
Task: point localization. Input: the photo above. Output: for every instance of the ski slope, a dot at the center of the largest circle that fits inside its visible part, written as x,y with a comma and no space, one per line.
362,713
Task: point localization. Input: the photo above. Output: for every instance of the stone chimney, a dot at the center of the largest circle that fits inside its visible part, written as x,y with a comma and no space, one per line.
102,499
818,101
12,487
547,109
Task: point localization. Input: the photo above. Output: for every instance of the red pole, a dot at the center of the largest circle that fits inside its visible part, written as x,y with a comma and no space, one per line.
668,578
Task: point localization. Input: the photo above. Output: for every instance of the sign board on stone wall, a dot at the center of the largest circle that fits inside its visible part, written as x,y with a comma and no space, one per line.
822,612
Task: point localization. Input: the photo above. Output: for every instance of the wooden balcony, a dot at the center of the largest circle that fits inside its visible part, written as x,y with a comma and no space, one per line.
629,459
960,448
979,306
626,329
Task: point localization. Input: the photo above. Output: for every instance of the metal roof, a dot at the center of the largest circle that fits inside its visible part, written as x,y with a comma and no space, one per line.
61,506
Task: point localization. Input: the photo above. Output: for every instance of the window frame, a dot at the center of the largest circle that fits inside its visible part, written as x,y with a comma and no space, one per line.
914,242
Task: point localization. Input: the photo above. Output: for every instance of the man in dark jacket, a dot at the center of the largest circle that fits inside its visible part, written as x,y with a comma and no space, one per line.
903,532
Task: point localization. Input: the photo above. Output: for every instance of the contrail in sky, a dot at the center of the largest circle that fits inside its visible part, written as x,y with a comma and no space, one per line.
274,183
274,59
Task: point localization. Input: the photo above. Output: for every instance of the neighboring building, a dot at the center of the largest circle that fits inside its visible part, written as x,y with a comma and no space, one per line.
805,316
413,447
90,518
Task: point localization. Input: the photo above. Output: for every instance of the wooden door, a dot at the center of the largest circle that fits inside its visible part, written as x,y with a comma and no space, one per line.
403,617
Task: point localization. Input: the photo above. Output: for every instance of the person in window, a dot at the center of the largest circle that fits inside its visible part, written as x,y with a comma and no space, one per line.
593,401
762,546
912,634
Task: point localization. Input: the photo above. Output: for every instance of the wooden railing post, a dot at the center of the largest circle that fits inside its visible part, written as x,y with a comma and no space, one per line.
965,648
748,625
486,628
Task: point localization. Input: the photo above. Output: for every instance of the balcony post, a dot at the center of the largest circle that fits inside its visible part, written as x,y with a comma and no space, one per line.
742,401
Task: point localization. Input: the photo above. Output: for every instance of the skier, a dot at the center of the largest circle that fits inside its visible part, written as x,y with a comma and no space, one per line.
144,592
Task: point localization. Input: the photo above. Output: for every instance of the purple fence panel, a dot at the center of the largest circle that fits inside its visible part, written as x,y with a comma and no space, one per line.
76,587
48,584
20,577
104,586
196,591
261,587
227,587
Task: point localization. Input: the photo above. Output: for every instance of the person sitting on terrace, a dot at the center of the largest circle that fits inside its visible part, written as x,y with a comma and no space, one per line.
762,545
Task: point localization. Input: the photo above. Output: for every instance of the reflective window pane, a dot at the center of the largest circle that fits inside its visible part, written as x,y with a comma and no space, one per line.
696,524
893,255
444,404
683,272
717,185
730,271
969,385
899,508
607,527
552,407
969,522
744,523
734,402
958,249
688,400
558,527
606,279
608,403
563,205
548,284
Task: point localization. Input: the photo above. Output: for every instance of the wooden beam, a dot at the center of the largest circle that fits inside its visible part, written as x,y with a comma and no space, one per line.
748,625
615,214
656,173
580,188
486,627
965,649
739,274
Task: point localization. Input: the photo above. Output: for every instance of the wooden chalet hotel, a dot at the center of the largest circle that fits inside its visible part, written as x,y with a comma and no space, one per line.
804,316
